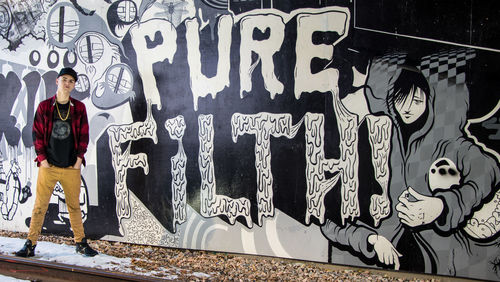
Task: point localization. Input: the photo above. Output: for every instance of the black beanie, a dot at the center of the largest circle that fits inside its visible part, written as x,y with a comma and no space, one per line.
69,71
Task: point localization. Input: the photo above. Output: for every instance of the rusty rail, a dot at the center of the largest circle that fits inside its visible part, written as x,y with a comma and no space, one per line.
37,270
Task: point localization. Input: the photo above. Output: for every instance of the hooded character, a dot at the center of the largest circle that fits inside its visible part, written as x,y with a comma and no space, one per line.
425,227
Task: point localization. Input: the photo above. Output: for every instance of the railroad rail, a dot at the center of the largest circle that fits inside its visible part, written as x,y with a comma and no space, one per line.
37,270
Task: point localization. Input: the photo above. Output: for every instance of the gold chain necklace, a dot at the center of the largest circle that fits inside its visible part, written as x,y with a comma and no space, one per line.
59,113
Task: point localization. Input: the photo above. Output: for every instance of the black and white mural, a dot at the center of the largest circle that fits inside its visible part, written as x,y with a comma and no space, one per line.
347,132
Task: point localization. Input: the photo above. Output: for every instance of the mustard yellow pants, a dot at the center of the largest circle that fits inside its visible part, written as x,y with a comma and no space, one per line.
70,180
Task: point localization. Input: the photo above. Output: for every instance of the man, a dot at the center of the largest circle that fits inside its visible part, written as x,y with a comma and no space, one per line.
60,137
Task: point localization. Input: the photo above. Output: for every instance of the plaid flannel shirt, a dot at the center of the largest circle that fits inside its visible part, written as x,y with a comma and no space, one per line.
42,127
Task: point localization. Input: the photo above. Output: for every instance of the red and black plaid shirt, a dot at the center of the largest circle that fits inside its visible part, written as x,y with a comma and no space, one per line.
42,127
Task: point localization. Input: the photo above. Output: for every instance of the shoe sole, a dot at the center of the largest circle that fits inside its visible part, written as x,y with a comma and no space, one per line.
89,256
85,255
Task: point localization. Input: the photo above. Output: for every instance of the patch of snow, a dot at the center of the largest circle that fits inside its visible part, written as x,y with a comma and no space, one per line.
66,254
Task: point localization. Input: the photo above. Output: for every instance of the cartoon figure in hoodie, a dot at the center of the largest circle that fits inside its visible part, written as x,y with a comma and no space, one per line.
439,176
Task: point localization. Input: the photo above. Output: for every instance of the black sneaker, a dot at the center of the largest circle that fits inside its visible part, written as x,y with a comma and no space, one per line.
84,249
28,250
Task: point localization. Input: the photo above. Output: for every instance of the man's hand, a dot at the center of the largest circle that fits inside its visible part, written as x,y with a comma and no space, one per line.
44,163
386,252
415,209
78,163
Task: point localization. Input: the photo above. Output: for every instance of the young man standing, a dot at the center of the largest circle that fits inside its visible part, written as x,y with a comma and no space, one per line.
60,137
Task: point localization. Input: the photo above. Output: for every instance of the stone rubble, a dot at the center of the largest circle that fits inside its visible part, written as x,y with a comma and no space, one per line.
193,265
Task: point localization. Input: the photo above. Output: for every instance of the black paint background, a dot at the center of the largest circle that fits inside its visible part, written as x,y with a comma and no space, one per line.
235,162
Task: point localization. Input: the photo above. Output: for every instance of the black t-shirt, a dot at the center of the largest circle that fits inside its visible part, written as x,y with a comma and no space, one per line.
61,151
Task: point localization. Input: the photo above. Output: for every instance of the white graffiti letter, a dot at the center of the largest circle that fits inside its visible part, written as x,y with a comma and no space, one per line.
306,50
264,125
211,203
345,168
201,85
122,161
145,34
176,127
265,49
379,134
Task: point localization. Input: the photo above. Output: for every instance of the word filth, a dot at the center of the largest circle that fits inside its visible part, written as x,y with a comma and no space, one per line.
308,22
263,126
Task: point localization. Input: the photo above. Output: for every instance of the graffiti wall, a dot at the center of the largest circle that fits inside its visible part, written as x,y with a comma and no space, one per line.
347,132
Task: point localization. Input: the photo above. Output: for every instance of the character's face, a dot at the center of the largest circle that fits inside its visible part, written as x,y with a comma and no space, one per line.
412,107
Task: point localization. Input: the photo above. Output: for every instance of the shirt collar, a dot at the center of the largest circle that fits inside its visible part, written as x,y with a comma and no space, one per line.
54,101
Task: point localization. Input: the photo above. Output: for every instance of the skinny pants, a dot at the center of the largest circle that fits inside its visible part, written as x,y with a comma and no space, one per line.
70,180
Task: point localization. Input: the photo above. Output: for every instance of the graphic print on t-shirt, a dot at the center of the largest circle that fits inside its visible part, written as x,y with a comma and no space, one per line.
61,130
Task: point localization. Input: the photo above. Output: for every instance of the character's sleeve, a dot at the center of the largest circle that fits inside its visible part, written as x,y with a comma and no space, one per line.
350,235
83,138
38,134
480,177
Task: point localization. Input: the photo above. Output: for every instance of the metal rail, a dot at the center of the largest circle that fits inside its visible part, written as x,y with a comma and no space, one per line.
37,270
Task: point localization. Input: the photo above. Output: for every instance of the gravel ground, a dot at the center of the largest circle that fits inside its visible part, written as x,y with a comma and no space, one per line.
229,267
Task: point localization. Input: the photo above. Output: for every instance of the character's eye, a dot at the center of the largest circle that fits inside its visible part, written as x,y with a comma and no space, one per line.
418,101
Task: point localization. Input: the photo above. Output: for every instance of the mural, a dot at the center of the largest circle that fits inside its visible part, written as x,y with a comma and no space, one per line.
344,132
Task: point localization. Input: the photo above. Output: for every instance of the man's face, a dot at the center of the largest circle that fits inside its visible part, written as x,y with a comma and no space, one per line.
412,107
65,83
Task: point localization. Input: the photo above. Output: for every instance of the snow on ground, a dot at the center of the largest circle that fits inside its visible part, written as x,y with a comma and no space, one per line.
66,254
4,278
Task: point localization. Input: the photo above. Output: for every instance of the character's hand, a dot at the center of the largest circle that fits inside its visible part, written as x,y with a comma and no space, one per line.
386,252
415,209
